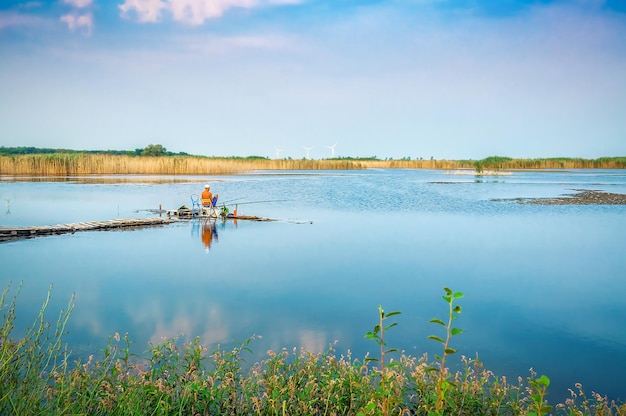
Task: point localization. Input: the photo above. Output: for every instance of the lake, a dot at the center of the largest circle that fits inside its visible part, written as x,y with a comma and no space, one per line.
544,285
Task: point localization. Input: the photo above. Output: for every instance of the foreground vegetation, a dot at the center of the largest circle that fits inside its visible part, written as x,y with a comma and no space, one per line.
156,160
37,378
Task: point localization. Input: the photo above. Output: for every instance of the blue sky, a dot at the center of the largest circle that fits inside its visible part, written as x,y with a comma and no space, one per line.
449,79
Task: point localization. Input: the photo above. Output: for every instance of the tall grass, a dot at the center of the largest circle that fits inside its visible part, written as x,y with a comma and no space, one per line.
501,162
59,164
76,164
185,378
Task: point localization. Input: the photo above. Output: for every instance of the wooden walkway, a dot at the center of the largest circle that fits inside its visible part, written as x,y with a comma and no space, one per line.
14,233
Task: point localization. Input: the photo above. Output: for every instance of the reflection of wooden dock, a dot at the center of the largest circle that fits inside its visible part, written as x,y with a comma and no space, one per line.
13,233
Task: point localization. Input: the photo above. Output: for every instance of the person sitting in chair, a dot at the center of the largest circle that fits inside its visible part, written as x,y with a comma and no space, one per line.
207,195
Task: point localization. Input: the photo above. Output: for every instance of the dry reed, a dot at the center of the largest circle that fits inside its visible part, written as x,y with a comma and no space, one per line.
76,164
60,164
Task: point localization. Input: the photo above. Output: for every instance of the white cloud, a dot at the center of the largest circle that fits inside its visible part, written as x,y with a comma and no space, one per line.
192,12
79,4
78,21
195,12
80,17
148,11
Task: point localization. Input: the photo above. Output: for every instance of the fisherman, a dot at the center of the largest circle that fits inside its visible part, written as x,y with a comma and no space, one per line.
207,195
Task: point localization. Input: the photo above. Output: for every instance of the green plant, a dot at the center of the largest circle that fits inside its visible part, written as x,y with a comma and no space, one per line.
442,381
28,365
378,335
539,387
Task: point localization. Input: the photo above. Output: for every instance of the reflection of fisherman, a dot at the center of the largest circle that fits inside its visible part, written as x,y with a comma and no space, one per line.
209,231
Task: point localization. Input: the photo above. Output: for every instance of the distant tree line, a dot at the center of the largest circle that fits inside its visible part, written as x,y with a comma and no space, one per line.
488,163
149,150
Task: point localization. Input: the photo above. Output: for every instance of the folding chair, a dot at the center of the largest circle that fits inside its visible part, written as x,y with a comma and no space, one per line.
208,207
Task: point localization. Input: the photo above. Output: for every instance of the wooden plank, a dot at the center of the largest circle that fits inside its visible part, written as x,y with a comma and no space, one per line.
13,233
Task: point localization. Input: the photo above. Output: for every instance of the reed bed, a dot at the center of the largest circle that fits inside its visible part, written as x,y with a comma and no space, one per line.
185,378
417,164
77,164
60,164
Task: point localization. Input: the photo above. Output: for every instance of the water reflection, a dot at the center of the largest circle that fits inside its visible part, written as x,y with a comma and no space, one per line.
209,233
206,230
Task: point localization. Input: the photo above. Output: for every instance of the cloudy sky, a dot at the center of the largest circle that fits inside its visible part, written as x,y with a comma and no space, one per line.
455,79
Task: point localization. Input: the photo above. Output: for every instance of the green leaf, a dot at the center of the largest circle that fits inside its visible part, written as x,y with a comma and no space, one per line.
393,313
448,291
370,407
457,309
546,408
390,326
435,338
392,350
369,335
367,360
448,299
458,295
438,321
456,331
543,380
449,350
429,369
393,364
536,398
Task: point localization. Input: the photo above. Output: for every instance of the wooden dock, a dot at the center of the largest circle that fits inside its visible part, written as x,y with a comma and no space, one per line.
14,233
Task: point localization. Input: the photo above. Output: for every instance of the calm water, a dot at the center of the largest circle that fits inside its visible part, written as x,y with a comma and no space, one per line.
545,286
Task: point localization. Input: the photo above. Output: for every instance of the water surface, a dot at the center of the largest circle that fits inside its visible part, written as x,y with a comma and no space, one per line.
544,285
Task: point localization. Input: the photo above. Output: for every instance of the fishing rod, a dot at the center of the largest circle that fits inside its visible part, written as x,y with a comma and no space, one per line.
259,202
231,200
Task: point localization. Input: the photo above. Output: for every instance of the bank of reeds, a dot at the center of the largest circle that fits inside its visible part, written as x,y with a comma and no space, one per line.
38,377
78,164
500,162
64,164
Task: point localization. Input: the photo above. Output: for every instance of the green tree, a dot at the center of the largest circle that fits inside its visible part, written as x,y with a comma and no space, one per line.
154,150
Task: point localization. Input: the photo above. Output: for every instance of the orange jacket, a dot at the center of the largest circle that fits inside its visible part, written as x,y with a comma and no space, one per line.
207,196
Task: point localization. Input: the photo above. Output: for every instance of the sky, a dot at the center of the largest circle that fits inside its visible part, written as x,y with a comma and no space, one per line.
443,79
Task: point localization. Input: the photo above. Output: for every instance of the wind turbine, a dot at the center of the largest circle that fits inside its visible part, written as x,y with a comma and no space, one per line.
308,149
332,150
278,152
